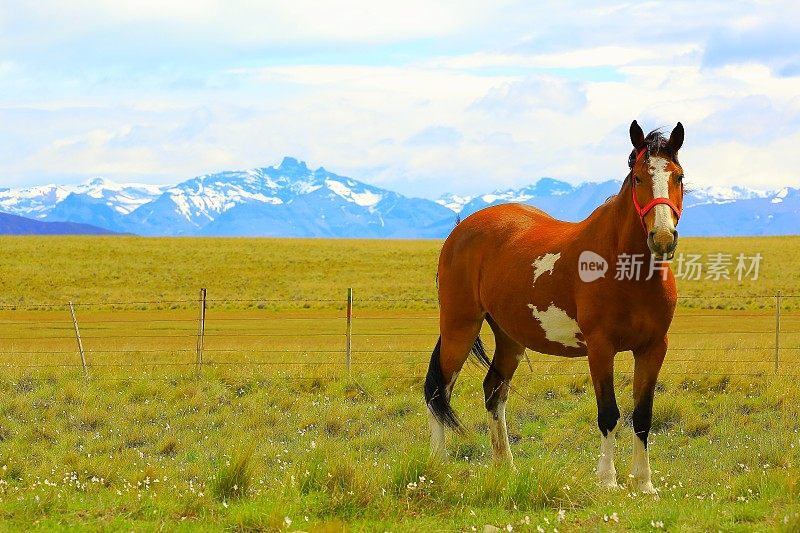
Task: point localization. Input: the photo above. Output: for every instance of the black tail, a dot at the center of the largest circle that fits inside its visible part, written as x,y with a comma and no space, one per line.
479,351
436,392
436,389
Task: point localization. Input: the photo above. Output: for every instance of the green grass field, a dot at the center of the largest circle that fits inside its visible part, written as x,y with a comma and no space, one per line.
274,436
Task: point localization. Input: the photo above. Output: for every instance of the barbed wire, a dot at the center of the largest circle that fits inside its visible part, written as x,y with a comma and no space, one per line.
372,299
147,331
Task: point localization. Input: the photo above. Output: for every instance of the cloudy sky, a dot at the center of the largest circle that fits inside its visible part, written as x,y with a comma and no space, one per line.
419,96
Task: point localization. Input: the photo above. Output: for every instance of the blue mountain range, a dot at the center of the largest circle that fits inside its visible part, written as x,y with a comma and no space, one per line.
291,200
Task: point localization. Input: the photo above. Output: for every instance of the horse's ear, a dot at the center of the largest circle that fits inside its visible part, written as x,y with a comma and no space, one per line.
676,138
637,136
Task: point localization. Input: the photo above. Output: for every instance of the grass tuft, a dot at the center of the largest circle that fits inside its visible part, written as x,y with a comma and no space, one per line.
233,480
667,412
168,446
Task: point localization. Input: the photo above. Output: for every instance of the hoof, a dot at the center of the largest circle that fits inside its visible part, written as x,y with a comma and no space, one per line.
438,454
645,487
505,460
608,479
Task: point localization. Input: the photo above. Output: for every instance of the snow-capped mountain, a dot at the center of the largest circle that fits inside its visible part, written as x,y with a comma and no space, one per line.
773,213
292,200
33,202
454,202
722,195
558,198
545,187
40,201
287,200
284,200
707,211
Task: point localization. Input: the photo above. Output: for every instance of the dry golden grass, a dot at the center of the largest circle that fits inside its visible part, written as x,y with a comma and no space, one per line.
284,274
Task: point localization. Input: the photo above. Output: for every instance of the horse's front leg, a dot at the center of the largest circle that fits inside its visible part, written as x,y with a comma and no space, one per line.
601,365
647,364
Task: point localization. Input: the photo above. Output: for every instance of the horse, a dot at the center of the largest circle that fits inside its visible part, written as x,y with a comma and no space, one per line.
539,283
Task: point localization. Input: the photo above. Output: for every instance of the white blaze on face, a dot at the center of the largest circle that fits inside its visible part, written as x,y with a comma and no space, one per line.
546,263
661,177
558,326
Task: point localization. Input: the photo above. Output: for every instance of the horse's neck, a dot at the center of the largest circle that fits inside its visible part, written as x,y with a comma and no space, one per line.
621,222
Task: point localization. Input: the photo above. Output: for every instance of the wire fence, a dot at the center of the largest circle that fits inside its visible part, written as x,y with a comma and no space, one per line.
119,340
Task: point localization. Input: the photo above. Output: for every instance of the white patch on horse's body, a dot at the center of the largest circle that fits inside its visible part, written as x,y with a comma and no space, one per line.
501,449
546,263
661,176
640,471
558,326
605,467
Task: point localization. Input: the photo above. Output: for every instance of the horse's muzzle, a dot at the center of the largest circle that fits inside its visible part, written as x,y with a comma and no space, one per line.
663,243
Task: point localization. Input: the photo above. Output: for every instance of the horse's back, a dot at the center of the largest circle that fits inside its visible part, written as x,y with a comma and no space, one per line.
499,225
517,215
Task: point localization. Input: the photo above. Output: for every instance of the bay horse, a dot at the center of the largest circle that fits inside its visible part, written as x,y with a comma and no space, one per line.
529,276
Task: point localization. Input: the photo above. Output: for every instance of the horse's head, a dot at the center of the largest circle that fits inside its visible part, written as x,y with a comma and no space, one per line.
657,186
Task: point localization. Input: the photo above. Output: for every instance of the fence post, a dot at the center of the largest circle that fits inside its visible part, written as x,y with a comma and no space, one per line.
78,338
201,329
349,337
777,329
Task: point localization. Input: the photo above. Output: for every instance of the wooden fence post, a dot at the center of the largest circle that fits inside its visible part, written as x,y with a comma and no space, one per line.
777,329
78,338
201,330
349,337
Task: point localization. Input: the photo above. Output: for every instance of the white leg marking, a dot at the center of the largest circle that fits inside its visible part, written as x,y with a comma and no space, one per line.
658,169
438,450
640,471
501,450
605,467
558,326
546,263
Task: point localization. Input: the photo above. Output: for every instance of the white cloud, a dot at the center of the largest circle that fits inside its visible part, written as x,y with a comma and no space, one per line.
436,136
420,97
598,56
532,94
241,22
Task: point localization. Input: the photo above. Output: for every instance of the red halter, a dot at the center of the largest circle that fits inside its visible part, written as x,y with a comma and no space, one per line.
642,211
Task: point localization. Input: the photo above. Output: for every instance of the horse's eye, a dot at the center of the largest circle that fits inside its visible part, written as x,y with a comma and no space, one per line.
679,179
638,180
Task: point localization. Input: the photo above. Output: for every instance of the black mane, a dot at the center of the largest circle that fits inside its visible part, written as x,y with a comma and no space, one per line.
655,143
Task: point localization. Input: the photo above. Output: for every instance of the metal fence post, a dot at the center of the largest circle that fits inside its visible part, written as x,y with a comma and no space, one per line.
777,329
78,338
201,329
349,337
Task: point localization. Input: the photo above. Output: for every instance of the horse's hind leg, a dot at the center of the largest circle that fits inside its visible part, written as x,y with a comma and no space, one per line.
496,386
448,358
